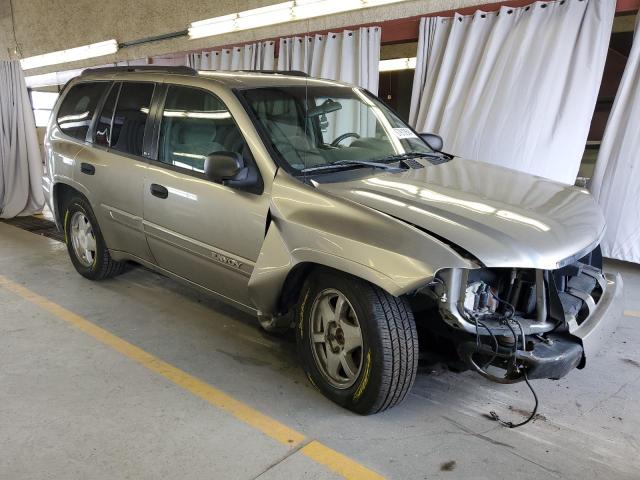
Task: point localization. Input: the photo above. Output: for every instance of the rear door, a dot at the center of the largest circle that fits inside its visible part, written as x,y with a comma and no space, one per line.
206,232
68,133
114,168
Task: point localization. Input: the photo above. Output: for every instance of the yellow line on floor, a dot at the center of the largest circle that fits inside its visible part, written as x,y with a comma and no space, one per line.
337,462
314,450
632,313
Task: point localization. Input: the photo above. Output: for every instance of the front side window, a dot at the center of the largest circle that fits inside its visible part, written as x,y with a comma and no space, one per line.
317,126
130,117
77,108
196,123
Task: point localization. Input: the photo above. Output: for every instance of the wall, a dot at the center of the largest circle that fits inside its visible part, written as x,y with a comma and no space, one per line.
48,25
6,36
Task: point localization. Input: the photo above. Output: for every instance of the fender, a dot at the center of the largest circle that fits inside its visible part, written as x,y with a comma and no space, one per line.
63,175
308,226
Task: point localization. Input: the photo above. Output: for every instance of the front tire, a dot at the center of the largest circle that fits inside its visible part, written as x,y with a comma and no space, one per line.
358,343
85,243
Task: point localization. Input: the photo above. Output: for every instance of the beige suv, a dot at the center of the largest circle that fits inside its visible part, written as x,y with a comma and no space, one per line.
312,205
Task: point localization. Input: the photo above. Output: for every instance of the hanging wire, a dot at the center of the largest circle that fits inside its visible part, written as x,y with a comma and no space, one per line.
493,414
508,317
18,49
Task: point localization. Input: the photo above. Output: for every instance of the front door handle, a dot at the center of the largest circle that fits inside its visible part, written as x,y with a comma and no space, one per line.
87,168
159,191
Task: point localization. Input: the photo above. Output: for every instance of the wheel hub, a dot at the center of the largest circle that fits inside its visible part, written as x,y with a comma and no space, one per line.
82,239
336,339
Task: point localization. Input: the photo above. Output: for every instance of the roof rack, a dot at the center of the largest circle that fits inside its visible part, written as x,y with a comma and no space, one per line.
291,73
143,68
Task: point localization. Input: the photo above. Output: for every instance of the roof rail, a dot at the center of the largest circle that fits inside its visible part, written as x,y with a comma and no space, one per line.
143,68
291,73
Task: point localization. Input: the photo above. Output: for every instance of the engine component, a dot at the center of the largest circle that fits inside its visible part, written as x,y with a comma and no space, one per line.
478,298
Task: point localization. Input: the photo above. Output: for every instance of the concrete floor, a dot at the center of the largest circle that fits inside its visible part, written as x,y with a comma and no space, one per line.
71,407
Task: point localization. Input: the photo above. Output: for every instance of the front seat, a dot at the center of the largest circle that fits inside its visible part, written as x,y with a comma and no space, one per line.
191,140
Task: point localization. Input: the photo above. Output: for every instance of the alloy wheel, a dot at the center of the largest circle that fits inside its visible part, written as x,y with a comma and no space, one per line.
336,339
83,239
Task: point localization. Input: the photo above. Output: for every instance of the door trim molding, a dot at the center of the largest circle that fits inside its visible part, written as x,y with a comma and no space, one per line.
124,218
120,255
214,255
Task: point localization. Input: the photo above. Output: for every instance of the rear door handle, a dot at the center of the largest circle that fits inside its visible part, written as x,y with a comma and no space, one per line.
159,191
87,168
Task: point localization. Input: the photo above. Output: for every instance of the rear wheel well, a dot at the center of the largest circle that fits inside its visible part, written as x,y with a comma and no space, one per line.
62,193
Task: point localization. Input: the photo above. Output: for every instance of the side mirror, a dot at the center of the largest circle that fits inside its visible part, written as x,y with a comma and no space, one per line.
223,166
228,168
434,141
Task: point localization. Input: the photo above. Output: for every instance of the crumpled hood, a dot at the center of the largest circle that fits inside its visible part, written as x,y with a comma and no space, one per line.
502,217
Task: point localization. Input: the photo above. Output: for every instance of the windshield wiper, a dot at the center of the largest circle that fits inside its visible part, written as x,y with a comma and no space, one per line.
435,158
342,164
409,155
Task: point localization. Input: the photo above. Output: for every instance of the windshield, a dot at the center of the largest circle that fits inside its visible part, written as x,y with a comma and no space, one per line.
318,126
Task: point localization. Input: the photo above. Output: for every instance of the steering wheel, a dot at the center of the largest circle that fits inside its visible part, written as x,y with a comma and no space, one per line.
344,136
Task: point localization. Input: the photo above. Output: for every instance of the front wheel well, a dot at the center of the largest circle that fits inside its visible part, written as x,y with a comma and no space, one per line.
292,285
296,277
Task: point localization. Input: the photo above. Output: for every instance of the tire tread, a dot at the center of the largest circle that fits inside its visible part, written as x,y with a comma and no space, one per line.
400,345
107,267
393,339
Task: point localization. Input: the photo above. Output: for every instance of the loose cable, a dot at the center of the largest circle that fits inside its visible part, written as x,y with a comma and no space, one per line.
508,316
493,414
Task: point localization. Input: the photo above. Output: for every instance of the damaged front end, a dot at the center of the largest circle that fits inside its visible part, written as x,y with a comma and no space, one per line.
509,322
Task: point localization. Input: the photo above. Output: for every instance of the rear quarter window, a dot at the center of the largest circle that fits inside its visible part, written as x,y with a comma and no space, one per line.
78,106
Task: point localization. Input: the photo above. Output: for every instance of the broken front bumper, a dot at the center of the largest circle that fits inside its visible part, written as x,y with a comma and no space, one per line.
565,351
603,317
559,352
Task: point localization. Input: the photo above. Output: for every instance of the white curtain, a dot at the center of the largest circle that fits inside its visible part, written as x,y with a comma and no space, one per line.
253,56
349,56
20,158
616,180
516,87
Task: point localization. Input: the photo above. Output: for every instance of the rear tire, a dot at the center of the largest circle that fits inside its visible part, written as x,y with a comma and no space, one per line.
85,243
369,378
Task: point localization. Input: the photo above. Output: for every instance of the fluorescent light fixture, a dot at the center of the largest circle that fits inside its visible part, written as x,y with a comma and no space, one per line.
278,13
213,26
397,64
70,55
376,3
258,17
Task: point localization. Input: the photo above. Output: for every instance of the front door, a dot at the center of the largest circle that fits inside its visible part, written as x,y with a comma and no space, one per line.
202,231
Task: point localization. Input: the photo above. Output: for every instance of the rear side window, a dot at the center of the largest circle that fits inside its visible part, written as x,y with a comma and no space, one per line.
130,118
196,123
77,108
105,119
